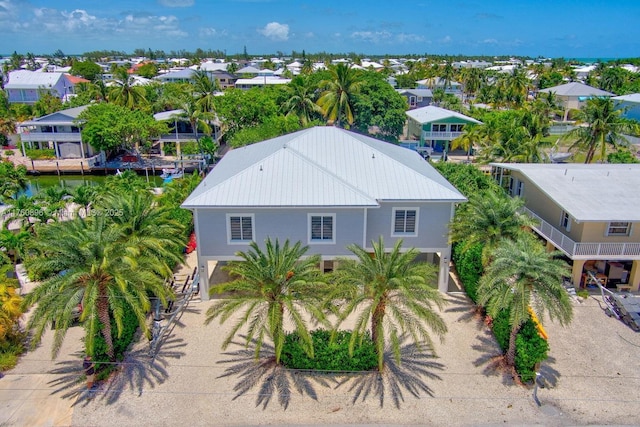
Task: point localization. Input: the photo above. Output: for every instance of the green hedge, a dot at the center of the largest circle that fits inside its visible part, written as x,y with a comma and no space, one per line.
42,154
329,355
531,348
469,267
120,344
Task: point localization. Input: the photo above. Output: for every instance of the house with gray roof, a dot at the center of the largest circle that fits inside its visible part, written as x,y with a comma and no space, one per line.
629,104
417,98
328,188
589,212
60,131
575,94
26,87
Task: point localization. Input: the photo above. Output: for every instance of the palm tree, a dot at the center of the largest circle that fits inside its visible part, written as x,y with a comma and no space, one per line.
204,87
604,126
93,263
125,93
337,99
487,219
267,286
83,196
21,212
447,75
14,244
472,135
300,100
197,118
522,275
392,293
517,84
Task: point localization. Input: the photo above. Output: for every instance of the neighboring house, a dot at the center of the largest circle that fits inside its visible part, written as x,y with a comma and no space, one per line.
417,98
59,131
574,95
587,211
438,83
180,130
26,87
436,127
260,81
223,78
328,188
630,105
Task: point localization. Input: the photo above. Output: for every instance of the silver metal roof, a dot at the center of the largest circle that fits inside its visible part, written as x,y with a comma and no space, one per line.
576,89
59,118
632,98
25,79
320,166
588,192
431,113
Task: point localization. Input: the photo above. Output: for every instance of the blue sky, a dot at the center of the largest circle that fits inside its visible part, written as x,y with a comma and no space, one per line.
577,29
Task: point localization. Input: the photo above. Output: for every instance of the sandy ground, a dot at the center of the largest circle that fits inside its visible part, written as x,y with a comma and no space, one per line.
592,378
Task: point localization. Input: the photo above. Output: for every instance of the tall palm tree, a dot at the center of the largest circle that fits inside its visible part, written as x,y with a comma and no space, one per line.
93,263
125,93
268,285
392,293
337,99
518,86
197,118
83,196
522,275
447,75
487,219
14,244
472,135
22,212
300,100
204,87
604,127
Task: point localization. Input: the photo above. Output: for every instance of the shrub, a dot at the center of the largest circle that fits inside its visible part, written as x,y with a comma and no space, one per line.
9,152
41,154
329,355
120,344
468,263
189,147
531,348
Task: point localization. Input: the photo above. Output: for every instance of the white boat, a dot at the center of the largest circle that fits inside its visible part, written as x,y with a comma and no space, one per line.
172,173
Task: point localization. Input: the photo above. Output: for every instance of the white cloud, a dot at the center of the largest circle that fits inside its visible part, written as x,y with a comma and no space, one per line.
176,3
446,39
371,36
489,41
309,35
151,24
211,32
409,38
275,31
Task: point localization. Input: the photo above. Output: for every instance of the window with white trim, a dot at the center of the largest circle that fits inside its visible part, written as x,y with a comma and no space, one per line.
240,228
321,228
519,188
405,222
619,228
456,128
439,128
565,221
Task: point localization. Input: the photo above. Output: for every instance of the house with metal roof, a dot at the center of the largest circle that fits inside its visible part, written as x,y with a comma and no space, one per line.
417,98
60,131
328,188
629,104
575,94
26,87
589,212
436,127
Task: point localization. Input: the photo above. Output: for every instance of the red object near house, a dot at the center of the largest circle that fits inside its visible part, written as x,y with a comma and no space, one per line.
130,158
191,245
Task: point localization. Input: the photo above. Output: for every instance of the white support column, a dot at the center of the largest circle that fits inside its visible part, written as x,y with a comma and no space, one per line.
443,276
203,274
81,149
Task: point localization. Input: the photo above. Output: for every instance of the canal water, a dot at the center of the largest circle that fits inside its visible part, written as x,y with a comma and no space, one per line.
39,183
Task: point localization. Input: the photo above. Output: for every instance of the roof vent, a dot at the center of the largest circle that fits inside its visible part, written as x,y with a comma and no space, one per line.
260,168
373,155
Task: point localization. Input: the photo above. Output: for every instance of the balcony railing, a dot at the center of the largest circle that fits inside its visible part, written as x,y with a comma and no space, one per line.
50,136
441,135
589,250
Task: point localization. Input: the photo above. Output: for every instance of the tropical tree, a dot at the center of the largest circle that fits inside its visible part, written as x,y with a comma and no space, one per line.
204,88
487,219
93,263
83,196
337,99
22,212
300,100
13,179
604,127
10,308
517,84
472,135
197,118
523,274
125,92
14,244
268,285
392,294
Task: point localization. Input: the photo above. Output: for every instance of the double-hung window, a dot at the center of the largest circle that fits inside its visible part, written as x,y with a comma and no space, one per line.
405,222
619,228
322,228
240,228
